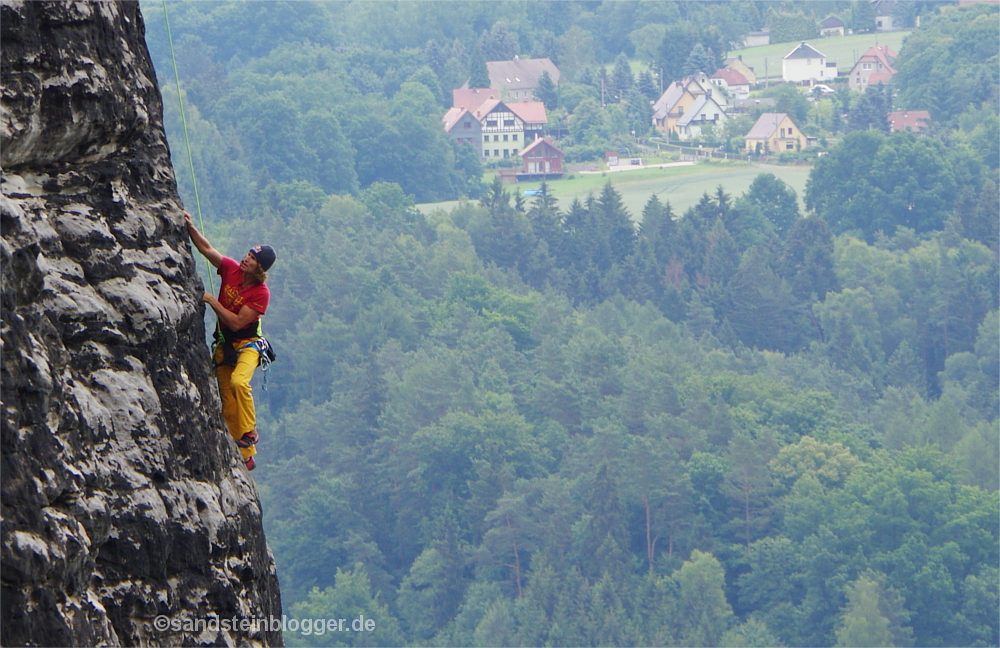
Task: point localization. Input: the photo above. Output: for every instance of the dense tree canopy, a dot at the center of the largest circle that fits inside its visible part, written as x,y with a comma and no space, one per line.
532,422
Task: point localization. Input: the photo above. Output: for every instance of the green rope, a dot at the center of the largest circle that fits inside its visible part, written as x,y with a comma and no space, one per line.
187,142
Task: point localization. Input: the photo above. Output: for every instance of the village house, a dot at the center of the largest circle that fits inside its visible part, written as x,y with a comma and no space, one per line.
732,82
915,121
518,79
874,67
495,128
774,133
705,111
503,130
807,64
884,12
757,38
741,67
678,98
541,159
831,26
463,127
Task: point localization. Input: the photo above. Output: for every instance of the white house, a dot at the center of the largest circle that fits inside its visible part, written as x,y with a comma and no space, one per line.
705,110
733,82
806,63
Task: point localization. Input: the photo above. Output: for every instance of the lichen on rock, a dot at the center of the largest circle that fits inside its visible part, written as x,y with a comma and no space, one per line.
123,497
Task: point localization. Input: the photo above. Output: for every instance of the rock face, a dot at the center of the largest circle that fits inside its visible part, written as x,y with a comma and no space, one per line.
123,496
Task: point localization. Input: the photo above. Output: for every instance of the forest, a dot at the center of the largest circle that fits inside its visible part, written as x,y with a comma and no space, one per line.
520,422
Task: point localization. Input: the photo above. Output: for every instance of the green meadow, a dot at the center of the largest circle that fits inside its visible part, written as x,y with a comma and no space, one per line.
844,50
682,187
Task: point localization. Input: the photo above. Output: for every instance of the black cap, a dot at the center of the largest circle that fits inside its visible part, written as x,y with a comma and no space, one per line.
265,256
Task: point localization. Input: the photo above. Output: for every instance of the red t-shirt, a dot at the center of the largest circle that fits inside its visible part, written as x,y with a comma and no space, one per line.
234,295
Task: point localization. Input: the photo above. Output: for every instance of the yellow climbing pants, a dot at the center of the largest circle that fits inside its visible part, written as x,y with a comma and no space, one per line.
235,391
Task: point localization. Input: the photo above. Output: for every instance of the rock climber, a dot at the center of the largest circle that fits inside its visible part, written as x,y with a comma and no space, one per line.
243,299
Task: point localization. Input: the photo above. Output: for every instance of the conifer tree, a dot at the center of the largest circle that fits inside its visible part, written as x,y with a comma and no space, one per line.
546,91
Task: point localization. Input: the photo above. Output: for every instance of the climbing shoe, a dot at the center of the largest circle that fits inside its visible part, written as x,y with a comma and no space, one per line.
250,463
248,439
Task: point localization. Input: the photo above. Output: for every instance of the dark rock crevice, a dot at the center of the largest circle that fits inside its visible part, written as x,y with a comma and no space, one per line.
123,497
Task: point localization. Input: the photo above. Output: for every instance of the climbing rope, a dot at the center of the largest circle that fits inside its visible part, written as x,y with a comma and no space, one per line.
187,142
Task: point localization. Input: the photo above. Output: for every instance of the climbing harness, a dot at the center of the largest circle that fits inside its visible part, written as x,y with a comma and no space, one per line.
266,356
187,142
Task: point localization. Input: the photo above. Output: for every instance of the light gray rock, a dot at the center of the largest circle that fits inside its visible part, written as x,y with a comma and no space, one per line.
123,496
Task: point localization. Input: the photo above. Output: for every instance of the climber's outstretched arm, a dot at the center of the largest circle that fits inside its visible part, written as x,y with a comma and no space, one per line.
214,256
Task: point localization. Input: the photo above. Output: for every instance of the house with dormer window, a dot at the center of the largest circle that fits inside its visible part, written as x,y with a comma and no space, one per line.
517,79
874,67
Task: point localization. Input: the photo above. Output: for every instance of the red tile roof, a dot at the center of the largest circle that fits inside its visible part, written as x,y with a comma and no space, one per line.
538,142
452,117
881,54
876,78
472,98
911,120
730,76
530,112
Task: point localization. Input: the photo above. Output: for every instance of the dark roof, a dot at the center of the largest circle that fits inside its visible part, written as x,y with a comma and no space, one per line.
831,23
804,51
520,73
766,124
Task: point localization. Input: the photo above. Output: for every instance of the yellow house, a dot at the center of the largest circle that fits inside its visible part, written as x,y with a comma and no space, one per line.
774,133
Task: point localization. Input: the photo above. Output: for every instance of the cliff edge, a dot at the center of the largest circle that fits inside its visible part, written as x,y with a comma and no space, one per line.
127,516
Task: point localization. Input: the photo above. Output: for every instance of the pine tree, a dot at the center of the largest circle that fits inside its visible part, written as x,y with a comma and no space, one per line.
808,259
647,85
478,75
699,60
546,91
621,80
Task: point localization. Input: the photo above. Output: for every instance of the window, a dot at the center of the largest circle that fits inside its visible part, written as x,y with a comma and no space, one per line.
716,118
508,122
866,66
789,146
505,137
514,137
496,138
514,152
468,124
789,132
486,153
496,152
486,138
491,123
506,152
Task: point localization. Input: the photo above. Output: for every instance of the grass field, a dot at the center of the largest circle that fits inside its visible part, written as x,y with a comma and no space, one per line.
844,50
682,187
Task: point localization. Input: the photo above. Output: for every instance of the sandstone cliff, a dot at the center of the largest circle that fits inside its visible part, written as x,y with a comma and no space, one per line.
123,498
